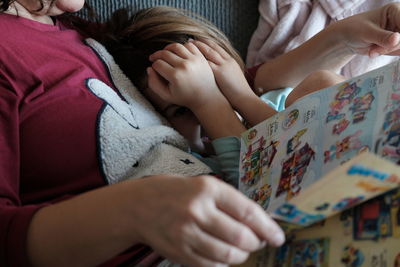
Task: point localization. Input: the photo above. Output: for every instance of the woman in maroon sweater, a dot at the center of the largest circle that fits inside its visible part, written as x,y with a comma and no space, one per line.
55,209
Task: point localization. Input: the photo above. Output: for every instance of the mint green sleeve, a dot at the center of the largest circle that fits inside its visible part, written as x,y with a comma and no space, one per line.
227,153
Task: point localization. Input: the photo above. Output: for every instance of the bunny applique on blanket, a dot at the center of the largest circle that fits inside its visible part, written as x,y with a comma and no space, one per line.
134,140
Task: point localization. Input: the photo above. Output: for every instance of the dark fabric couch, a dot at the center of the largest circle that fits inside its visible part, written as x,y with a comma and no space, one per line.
236,18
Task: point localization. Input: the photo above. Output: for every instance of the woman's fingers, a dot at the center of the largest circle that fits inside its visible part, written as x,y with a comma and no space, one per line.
181,226
194,248
215,249
224,227
390,45
236,212
250,214
384,36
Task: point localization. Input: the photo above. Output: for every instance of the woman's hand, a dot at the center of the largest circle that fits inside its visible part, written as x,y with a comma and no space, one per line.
196,221
372,33
181,75
200,221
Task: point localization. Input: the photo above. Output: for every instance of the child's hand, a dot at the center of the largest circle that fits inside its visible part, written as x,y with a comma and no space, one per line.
230,77
181,75
372,33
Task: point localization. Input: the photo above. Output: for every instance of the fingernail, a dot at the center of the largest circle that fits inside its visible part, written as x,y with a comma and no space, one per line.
278,238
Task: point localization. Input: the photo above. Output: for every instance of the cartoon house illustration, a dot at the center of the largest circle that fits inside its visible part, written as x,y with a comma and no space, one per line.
293,171
252,162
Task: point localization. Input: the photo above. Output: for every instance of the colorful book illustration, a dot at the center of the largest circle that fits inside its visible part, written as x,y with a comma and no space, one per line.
358,180
326,153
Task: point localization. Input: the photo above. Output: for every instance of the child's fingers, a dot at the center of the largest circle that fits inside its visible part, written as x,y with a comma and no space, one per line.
168,56
212,65
164,69
156,83
216,47
209,53
179,49
193,48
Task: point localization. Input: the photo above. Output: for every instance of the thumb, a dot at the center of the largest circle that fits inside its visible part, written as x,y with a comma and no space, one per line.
384,42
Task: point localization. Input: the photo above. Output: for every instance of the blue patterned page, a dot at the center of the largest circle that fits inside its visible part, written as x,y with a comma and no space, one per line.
286,153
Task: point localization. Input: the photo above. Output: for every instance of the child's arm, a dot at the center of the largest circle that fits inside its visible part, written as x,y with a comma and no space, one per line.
227,152
233,84
371,33
181,75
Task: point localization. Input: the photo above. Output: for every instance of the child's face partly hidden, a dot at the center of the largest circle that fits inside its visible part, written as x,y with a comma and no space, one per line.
182,120
52,8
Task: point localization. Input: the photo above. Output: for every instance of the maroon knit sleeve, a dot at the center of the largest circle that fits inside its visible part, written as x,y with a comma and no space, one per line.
14,217
251,75
14,225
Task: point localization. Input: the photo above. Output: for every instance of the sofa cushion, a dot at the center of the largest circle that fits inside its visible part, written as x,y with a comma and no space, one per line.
236,18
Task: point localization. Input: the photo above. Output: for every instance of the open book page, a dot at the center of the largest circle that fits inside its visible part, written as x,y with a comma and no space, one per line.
363,177
290,151
327,152
367,235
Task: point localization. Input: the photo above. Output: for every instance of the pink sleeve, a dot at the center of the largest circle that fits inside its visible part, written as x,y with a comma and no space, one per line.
14,217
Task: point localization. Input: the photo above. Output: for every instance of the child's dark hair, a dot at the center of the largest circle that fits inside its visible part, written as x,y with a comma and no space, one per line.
131,39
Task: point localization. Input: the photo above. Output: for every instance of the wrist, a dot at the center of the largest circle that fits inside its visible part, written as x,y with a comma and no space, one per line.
209,100
239,96
218,119
130,215
209,106
334,50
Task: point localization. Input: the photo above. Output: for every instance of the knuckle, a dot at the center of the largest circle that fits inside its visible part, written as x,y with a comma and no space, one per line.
209,50
158,64
181,230
234,256
239,237
249,213
186,65
229,255
162,53
206,184
174,46
231,60
192,209
175,78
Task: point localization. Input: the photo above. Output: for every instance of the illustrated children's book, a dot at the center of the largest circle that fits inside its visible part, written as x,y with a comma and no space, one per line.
326,153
